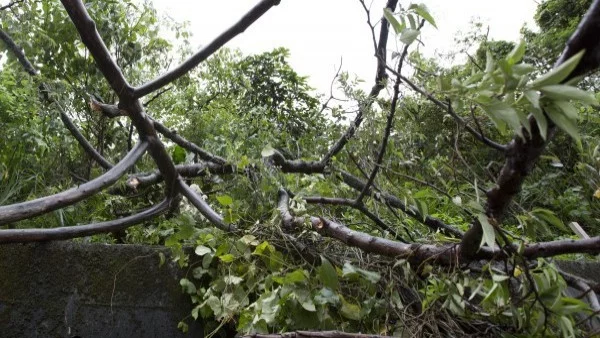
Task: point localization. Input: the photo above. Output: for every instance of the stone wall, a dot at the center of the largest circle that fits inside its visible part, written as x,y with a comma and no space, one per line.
66,289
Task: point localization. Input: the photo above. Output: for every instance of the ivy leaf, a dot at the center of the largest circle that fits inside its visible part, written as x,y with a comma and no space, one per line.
178,154
202,250
350,310
327,274
489,234
188,286
225,200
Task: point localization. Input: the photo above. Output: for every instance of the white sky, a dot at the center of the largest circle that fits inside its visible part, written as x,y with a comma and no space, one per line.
319,32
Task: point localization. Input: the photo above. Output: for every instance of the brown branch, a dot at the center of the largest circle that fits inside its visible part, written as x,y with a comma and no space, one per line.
83,142
184,143
380,78
388,126
522,154
16,212
296,166
448,108
393,201
416,253
447,254
92,40
203,207
185,170
289,222
18,52
238,28
61,233
358,206
313,334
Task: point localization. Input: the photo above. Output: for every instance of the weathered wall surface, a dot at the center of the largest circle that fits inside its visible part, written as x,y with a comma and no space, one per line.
65,289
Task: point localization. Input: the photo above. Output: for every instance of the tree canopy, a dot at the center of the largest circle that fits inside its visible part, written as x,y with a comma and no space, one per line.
434,204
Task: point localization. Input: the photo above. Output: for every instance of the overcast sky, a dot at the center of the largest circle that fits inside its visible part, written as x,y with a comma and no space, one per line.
320,32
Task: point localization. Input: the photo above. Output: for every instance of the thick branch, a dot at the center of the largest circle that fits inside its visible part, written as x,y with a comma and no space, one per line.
447,254
358,206
521,155
297,166
185,170
92,40
203,207
18,51
19,211
182,142
238,28
393,201
61,233
84,143
289,222
313,334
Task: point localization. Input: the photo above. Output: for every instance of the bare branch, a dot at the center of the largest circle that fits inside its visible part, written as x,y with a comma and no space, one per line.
61,233
182,142
92,40
393,201
380,78
289,222
185,170
83,142
358,206
238,28
203,207
450,111
18,51
19,211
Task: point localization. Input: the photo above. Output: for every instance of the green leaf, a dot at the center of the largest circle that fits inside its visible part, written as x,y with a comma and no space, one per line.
502,112
489,62
516,54
225,200
568,108
267,151
228,258
188,286
202,250
398,27
350,310
295,276
178,154
564,92
541,121
549,217
489,233
423,12
327,274
558,74
409,35
561,120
